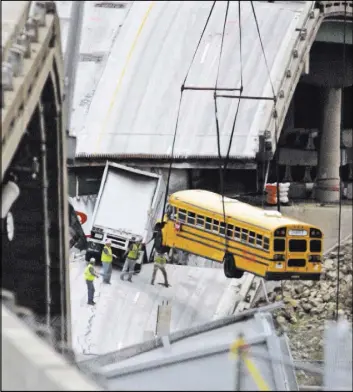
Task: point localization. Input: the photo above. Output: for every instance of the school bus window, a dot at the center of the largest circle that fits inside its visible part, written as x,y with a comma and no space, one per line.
237,232
315,246
169,211
279,245
222,228
173,214
266,243
182,215
244,235
297,245
200,221
208,224
191,218
252,237
215,226
230,231
259,240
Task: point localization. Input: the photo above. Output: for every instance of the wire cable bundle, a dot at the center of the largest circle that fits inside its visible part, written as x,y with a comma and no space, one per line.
179,106
183,88
222,170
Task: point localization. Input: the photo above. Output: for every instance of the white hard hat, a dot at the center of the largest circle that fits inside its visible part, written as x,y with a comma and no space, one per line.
92,260
108,241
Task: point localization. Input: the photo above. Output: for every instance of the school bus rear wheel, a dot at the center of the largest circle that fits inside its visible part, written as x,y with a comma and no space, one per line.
230,268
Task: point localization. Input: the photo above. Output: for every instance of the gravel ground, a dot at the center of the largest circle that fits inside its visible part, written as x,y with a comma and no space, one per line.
309,304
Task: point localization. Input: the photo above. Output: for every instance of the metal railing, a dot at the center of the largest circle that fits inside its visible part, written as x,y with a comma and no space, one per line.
32,43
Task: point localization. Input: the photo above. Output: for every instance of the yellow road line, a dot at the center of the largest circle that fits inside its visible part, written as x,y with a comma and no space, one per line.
259,381
99,139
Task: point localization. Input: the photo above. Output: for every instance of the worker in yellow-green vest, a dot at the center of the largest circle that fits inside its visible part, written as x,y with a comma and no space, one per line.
160,260
90,274
106,259
132,254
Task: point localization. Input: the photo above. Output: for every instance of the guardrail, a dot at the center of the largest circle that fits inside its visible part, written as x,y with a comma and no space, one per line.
307,31
32,43
335,8
300,45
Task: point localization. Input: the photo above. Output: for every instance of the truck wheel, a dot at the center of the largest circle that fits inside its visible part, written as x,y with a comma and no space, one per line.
88,256
230,269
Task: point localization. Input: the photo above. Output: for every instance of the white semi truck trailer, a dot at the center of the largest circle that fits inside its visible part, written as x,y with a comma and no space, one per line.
128,205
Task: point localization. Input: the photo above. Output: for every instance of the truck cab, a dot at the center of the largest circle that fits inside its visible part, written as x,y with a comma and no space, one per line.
128,205
120,242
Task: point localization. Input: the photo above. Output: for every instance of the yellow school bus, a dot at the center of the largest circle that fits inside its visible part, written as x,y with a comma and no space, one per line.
262,242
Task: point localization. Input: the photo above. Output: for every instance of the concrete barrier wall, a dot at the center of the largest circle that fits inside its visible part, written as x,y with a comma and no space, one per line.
30,364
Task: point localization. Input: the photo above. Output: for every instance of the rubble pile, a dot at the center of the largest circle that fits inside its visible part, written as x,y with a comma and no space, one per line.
309,304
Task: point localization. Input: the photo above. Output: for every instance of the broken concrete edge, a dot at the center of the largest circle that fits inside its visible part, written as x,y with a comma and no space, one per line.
342,242
31,364
229,300
93,365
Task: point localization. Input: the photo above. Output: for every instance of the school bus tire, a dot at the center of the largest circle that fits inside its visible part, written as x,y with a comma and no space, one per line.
230,268
90,255
227,265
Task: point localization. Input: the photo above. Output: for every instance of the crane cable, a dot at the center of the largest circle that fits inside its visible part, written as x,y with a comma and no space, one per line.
340,174
262,48
241,89
179,106
222,170
274,113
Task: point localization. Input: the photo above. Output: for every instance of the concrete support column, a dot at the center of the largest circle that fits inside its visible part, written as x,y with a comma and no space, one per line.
327,182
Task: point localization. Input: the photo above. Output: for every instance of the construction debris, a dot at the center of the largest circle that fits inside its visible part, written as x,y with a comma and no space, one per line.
309,304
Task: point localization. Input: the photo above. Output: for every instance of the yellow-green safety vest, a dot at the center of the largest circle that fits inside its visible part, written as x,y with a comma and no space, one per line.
87,273
107,258
134,252
160,259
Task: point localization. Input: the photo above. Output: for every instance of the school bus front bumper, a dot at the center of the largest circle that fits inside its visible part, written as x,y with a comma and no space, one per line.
292,276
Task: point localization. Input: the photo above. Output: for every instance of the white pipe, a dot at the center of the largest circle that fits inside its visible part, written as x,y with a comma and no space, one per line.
9,195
